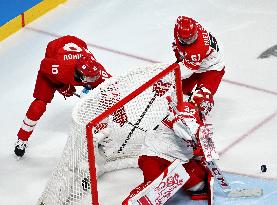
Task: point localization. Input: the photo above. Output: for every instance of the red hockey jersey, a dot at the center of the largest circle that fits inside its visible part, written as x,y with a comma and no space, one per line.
58,67
202,63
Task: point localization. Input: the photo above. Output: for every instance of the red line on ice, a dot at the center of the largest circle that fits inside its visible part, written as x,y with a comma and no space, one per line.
242,137
252,130
150,60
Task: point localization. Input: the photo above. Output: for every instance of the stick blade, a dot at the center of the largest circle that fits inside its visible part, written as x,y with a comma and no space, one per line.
254,192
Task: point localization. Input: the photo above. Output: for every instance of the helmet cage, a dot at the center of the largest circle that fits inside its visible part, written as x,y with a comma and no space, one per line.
87,70
188,41
185,30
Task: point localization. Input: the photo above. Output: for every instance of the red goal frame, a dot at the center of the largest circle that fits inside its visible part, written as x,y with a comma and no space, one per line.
99,118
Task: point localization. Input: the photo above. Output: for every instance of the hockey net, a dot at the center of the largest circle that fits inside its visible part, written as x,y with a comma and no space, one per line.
108,129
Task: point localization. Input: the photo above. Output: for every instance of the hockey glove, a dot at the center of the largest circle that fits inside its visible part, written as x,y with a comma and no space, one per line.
203,100
67,90
179,57
85,91
187,122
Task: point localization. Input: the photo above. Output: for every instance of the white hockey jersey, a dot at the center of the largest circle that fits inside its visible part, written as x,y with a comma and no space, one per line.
201,56
170,140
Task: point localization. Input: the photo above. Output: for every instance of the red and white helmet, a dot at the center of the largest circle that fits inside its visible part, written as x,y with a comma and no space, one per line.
185,30
87,69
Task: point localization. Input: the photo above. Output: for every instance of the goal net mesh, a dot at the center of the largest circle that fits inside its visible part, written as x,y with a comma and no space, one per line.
108,128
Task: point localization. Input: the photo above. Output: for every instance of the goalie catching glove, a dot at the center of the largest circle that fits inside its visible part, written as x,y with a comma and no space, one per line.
187,122
202,98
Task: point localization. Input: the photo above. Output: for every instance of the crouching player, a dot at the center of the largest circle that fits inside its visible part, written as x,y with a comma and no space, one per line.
170,160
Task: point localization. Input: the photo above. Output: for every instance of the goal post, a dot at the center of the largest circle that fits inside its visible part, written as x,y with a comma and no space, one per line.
108,129
91,124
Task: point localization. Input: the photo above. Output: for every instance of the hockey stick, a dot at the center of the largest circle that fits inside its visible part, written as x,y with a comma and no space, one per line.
214,169
77,95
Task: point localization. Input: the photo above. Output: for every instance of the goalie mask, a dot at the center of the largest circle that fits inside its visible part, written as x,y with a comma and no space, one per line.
185,30
87,70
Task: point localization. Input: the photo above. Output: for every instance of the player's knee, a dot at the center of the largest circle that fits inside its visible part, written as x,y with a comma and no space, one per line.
36,109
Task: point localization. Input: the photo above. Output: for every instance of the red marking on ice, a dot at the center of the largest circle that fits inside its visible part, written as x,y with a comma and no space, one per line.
152,61
244,136
224,80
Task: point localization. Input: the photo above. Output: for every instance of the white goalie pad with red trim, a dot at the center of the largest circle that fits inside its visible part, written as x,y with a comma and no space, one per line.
163,188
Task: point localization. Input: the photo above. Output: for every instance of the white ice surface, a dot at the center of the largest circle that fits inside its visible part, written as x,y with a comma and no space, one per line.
144,28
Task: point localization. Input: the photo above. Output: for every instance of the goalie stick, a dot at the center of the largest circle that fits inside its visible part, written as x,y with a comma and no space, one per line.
210,154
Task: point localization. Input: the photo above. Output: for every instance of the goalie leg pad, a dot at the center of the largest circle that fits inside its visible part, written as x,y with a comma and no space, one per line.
162,188
135,191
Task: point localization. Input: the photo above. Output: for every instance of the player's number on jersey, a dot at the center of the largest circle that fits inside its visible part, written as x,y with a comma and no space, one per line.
55,69
214,44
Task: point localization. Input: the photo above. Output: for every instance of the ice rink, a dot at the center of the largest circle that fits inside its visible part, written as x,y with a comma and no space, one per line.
123,35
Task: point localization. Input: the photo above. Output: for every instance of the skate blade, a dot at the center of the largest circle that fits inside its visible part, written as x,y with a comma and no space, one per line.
17,158
236,193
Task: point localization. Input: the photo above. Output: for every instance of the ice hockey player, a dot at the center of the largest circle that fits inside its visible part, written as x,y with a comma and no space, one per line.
201,62
171,141
67,63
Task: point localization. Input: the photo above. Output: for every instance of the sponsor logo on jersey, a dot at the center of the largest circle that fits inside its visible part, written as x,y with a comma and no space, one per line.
72,47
